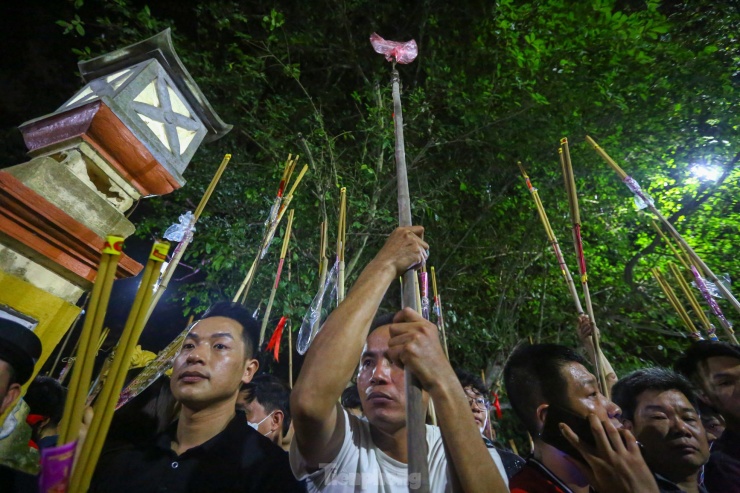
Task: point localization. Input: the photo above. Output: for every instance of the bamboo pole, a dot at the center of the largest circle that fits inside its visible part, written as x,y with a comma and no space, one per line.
290,354
685,262
488,412
417,442
341,243
74,404
635,188
283,253
424,291
708,327
105,404
676,304
570,186
183,244
553,241
438,311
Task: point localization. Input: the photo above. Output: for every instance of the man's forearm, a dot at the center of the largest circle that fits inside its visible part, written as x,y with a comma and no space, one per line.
468,455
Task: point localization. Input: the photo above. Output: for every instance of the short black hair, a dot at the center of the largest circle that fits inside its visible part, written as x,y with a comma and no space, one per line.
238,313
468,379
45,396
699,352
271,394
351,397
626,391
532,377
381,319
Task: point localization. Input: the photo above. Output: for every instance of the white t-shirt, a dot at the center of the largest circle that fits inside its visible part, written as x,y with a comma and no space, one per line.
362,467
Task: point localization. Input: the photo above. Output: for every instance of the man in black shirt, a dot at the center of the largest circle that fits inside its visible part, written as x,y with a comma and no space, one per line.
659,406
211,447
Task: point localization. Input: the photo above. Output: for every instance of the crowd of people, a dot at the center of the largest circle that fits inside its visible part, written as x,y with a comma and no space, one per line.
221,426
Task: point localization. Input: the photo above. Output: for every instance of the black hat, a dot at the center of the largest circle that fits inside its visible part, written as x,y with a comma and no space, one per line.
20,348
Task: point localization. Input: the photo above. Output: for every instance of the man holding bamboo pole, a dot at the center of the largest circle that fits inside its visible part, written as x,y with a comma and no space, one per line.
211,448
338,452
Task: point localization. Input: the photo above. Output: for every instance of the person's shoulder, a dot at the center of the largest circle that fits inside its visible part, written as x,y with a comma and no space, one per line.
531,479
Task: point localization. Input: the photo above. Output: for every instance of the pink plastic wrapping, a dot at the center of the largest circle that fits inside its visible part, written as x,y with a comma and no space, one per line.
393,50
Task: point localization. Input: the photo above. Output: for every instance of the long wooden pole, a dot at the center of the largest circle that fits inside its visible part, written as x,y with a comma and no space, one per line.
635,188
570,186
323,269
283,253
417,443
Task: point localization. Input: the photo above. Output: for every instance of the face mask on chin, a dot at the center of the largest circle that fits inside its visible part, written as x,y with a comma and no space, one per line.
256,425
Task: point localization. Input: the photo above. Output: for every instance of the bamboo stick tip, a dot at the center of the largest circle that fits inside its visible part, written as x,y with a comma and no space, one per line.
227,156
564,141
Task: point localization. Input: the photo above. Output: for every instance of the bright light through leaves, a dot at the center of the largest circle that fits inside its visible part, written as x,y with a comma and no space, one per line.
706,172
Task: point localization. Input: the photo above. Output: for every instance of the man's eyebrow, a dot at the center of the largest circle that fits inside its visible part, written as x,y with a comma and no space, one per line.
588,381
716,376
369,352
218,335
191,335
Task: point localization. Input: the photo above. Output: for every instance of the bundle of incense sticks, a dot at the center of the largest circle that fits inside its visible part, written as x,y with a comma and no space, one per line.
676,304
89,340
708,327
699,264
438,312
341,242
570,187
283,253
108,397
182,245
277,211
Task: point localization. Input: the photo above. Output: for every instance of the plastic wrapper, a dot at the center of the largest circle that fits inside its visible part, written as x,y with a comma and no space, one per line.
393,50
182,229
642,199
320,306
424,289
704,289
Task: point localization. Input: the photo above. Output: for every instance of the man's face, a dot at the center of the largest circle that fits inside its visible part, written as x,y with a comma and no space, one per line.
477,406
584,396
722,377
212,364
381,383
8,391
674,443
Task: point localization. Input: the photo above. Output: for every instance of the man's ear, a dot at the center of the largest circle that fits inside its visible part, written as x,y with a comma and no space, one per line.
276,422
250,369
541,414
13,392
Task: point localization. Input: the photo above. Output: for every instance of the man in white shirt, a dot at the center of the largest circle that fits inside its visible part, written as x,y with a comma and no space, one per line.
336,451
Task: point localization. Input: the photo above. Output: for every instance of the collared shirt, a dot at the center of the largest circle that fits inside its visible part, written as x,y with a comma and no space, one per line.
239,459
722,472
536,478
666,486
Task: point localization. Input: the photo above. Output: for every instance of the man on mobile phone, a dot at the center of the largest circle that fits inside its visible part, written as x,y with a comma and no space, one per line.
539,376
659,406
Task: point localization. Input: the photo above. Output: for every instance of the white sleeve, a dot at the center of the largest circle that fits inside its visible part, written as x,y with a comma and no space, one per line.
346,458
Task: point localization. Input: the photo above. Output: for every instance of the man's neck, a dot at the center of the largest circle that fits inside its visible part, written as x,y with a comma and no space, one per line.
569,471
197,426
393,444
689,484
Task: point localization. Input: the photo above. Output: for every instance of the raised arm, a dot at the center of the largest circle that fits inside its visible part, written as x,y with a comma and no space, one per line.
585,328
335,353
415,343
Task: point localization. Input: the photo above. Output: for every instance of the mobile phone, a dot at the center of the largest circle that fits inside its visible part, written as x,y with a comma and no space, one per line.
552,435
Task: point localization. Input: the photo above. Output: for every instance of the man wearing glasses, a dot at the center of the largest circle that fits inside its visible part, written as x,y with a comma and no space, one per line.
475,391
